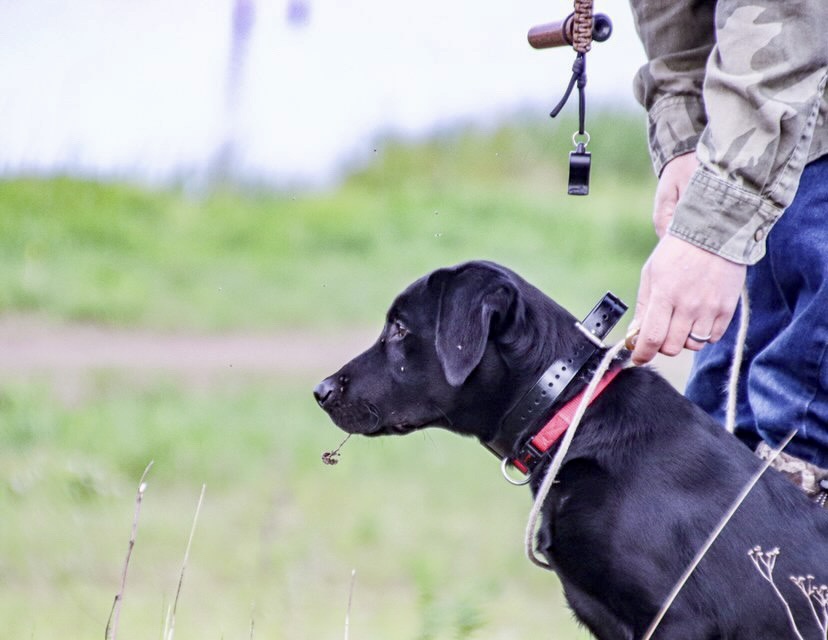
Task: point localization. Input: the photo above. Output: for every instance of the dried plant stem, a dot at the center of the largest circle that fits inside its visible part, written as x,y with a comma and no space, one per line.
332,457
165,622
764,563
714,535
170,631
350,599
115,614
816,595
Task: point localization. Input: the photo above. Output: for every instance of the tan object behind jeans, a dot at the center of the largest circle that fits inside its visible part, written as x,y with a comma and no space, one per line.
812,479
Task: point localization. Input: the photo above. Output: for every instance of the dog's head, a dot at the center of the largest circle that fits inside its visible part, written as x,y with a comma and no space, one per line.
458,345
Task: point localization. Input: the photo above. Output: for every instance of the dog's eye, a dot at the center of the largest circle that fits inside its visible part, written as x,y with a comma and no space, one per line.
398,331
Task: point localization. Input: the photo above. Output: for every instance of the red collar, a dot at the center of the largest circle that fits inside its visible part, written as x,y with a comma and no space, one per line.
546,438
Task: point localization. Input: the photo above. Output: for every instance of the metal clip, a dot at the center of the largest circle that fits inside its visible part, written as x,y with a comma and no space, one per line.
506,462
590,336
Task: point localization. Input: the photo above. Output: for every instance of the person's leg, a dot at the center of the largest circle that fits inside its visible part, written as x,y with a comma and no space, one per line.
784,382
788,377
707,385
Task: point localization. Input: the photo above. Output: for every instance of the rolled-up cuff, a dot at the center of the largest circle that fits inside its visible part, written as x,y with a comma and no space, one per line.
675,125
724,219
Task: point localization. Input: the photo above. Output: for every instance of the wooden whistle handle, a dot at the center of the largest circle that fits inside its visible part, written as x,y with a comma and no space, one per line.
559,33
551,34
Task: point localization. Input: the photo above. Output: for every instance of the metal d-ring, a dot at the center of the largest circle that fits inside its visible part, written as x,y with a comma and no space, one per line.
505,463
575,142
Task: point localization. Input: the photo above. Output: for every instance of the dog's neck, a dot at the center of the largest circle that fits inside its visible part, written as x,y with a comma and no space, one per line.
518,425
577,351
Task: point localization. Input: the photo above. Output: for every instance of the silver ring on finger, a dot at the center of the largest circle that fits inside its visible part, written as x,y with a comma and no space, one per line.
697,338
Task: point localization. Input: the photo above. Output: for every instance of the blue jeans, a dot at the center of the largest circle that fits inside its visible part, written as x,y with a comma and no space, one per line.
784,376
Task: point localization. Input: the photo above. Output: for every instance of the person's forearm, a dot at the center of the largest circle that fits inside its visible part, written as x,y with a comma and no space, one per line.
677,36
764,86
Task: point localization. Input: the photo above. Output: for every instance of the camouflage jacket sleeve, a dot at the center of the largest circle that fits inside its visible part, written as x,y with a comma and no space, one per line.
743,83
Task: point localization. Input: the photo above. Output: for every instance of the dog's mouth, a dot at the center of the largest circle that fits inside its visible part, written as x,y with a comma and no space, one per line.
360,418
365,419
400,429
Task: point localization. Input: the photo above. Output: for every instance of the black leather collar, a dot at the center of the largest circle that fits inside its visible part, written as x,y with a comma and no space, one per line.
538,403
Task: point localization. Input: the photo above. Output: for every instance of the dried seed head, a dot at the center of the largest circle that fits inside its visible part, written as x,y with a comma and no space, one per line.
332,457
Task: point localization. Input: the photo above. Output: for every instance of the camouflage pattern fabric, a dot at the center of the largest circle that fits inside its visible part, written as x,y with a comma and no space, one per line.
809,477
743,82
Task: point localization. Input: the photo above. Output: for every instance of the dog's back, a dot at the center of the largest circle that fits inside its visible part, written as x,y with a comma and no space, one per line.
651,476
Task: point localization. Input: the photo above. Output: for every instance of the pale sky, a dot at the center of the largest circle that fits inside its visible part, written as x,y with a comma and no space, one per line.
140,89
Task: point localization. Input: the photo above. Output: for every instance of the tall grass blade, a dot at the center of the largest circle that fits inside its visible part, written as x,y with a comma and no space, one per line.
115,614
171,629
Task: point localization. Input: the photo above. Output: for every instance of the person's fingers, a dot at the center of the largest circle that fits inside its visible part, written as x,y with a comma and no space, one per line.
642,300
677,334
699,336
641,304
655,325
632,336
683,290
720,325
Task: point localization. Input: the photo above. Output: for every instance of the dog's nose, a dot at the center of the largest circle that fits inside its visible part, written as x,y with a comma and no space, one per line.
323,391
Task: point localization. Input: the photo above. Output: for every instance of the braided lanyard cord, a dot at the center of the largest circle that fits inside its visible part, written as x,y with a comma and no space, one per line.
582,26
582,43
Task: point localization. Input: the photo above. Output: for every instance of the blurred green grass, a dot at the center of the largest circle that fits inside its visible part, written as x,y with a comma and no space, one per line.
428,523
432,530
232,259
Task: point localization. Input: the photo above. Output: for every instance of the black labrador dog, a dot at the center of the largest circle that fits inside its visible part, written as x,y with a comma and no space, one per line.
646,479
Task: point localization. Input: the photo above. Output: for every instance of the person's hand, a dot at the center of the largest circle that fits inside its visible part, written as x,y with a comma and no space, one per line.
683,290
673,181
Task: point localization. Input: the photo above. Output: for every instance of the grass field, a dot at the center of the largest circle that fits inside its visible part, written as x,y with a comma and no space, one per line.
430,527
432,530
115,254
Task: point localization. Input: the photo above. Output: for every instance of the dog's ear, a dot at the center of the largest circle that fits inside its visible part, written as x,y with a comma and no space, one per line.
470,300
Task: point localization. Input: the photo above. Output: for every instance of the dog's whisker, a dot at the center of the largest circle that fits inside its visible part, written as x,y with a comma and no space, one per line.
374,412
449,423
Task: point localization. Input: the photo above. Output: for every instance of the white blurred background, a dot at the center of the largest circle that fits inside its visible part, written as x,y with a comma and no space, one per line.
284,92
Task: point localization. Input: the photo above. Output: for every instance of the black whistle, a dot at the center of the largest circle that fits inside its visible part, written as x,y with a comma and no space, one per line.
579,161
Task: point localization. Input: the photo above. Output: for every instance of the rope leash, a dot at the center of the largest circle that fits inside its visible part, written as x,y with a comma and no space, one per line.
736,365
557,460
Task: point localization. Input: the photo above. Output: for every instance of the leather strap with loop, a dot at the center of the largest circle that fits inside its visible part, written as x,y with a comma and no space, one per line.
579,29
